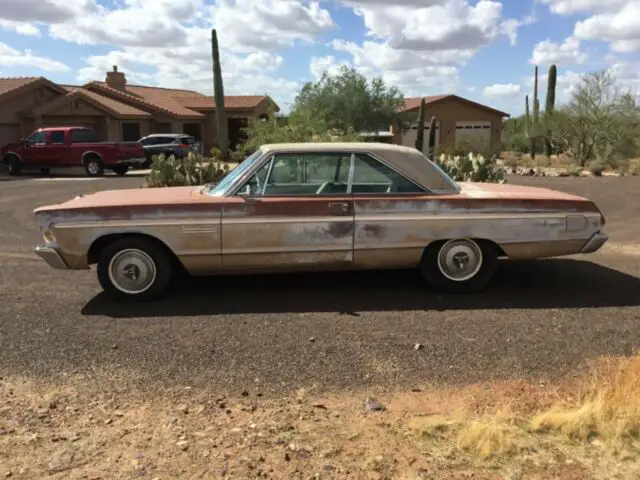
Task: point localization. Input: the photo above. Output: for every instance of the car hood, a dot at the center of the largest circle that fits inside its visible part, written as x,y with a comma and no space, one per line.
131,197
11,146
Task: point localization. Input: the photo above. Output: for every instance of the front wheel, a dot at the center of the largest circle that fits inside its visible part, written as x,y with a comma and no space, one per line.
14,165
459,265
134,269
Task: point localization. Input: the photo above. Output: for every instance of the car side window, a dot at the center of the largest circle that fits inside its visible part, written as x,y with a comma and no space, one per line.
57,137
38,137
83,136
372,176
309,174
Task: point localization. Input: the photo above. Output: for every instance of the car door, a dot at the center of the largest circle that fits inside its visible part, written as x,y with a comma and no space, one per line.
57,152
35,146
395,218
293,213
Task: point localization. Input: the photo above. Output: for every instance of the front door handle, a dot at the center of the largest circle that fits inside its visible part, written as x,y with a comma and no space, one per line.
339,208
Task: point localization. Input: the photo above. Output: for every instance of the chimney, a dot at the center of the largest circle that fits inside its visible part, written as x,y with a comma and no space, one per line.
116,79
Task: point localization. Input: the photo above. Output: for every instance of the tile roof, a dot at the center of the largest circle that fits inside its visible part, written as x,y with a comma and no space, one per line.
152,100
243,102
114,107
9,84
414,102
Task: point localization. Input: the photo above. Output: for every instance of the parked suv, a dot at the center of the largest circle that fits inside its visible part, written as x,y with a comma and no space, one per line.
176,144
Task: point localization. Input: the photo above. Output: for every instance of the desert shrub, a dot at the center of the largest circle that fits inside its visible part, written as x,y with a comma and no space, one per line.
471,168
574,170
634,167
191,170
597,167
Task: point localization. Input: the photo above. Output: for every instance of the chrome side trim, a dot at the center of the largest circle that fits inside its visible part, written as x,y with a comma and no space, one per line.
360,217
596,241
50,255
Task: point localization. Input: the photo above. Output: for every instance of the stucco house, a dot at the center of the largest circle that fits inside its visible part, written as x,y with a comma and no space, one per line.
118,111
457,120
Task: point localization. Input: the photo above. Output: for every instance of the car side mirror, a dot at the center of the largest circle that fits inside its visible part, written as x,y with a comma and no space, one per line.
246,191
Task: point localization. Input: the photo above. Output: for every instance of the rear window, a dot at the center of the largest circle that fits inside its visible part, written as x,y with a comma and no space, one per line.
83,136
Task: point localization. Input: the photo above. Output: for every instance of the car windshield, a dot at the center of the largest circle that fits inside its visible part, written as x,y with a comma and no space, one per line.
221,187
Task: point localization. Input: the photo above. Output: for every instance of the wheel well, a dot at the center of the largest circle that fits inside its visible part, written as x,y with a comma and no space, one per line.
7,156
438,243
90,155
100,243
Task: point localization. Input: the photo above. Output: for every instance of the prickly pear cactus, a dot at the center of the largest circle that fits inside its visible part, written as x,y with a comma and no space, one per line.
191,170
471,168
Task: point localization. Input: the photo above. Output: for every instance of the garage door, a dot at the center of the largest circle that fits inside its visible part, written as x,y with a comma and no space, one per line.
477,134
409,137
9,133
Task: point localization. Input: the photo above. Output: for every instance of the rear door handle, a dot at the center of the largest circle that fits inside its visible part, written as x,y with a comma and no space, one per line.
339,208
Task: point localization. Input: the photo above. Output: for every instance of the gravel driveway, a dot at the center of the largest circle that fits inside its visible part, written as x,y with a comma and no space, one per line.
335,331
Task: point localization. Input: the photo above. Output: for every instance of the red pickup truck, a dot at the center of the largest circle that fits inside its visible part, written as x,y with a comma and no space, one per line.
57,147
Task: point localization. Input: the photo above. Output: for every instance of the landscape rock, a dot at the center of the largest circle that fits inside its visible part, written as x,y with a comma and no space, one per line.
372,405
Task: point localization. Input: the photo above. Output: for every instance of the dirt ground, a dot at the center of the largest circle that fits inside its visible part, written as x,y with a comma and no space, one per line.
249,377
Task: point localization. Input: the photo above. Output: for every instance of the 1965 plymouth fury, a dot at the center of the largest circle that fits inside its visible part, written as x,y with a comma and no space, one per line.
315,206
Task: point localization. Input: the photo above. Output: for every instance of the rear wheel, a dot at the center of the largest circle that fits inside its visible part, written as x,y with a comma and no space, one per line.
460,265
134,269
121,169
14,165
94,166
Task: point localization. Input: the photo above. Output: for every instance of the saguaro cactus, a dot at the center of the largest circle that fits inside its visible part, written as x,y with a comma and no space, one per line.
432,136
420,136
218,92
533,134
549,107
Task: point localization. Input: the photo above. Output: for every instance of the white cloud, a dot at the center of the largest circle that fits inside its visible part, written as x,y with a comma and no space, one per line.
419,45
46,11
329,64
621,28
22,28
501,90
547,52
25,58
568,7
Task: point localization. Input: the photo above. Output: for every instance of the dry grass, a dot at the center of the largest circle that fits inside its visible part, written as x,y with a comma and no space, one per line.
608,408
580,428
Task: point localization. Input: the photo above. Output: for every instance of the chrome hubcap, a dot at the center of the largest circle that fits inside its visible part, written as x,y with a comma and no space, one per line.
460,260
132,271
93,168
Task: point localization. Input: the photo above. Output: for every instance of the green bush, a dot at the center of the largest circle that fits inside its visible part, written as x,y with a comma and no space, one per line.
471,168
191,170
574,170
597,167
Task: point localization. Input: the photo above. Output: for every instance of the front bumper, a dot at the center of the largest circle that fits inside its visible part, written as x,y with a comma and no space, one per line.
596,241
132,161
50,255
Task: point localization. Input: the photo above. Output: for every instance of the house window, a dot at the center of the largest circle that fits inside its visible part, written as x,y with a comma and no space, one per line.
193,129
41,93
130,132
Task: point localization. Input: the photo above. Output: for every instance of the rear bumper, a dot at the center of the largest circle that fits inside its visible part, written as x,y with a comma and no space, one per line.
51,255
594,243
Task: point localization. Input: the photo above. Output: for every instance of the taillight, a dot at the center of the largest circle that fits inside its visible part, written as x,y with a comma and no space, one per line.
184,146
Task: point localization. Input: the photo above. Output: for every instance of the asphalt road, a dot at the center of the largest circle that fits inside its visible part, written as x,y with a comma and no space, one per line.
331,331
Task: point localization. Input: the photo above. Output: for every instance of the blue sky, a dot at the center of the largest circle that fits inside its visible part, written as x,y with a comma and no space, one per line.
484,50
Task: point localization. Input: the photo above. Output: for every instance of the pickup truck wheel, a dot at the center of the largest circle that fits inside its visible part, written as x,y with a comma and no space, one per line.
134,269
460,265
121,170
13,165
94,167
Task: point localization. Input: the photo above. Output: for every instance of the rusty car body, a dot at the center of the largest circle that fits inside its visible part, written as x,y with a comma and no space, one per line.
316,206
